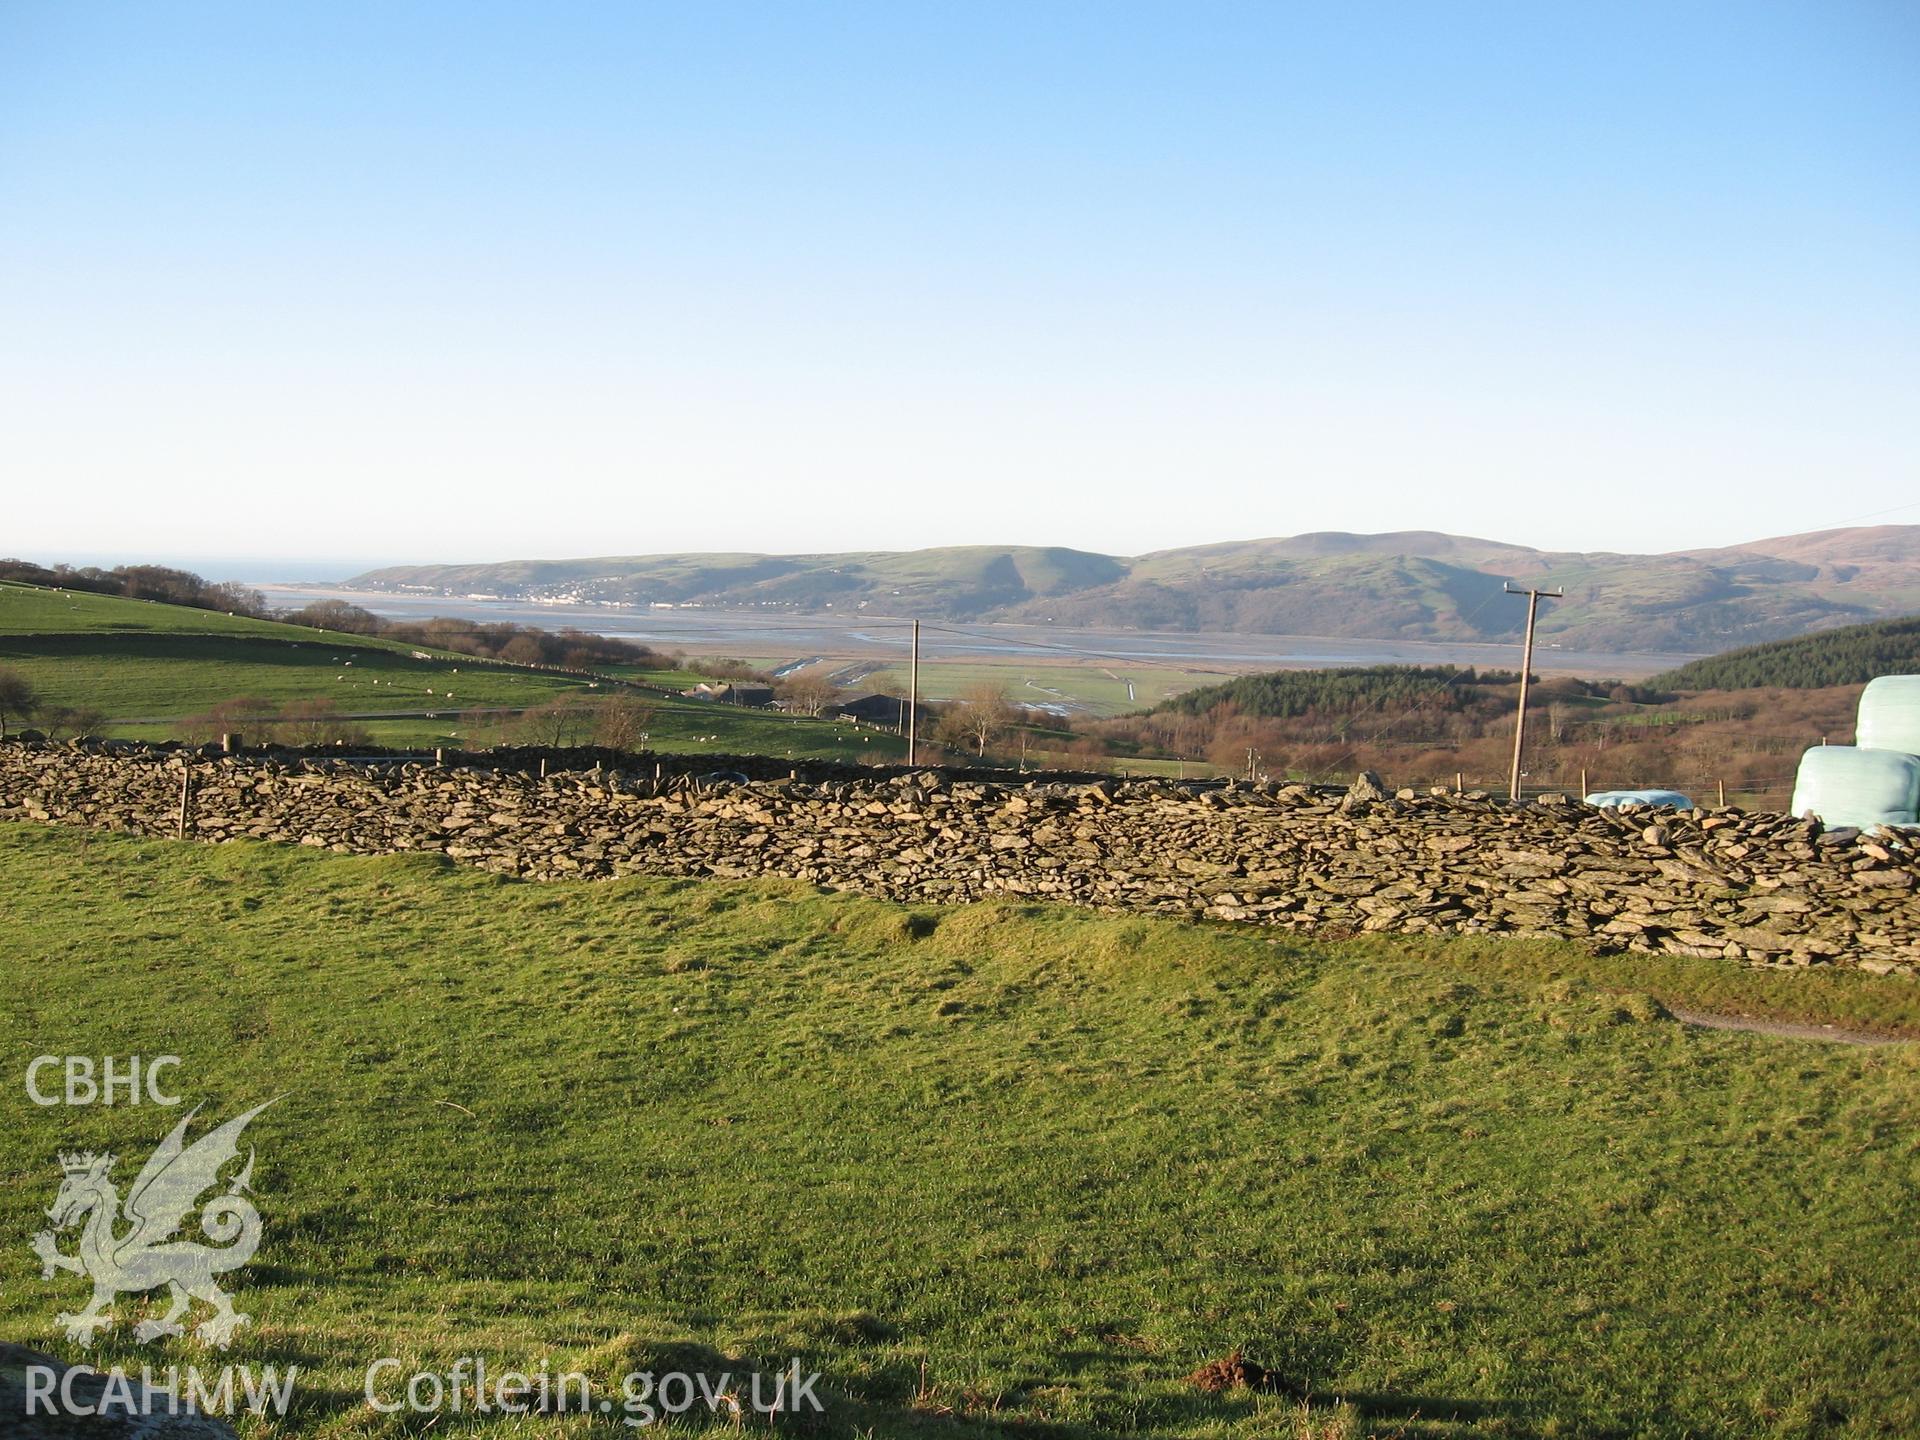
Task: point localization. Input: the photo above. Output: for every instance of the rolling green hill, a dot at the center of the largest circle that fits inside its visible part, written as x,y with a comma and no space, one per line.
147,669
992,1171
144,661
960,580
1849,656
32,610
1406,585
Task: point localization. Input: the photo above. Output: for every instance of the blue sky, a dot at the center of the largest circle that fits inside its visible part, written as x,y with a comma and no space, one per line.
469,281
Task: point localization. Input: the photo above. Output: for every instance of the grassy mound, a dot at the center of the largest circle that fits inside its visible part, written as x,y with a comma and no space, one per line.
990,1169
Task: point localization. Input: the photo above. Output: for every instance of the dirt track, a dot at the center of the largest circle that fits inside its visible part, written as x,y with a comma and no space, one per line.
1785,1029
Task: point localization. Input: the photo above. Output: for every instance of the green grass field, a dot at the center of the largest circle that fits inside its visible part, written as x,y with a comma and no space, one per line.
699,727
1085,688
146,678
992,1170
35,610
139,660
150,668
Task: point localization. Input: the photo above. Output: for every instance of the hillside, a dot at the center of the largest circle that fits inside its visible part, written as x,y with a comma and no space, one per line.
144,669
992,1170
138,662
1852,655
955,581
1413,585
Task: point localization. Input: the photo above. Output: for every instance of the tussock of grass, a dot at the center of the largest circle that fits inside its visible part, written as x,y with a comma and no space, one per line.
990,1169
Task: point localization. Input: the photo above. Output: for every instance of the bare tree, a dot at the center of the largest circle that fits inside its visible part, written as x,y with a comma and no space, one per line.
317,722
622,722
950,726
18,699
523,650
810,691
60,721
336,615
482,729
1089,752
227,717
984,714
236,599
559,722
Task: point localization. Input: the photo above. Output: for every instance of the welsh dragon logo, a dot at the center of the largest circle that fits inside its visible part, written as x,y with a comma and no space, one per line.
129,1248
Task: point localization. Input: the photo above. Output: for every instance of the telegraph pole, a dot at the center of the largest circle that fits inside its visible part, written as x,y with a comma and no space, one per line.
913,699
1526,670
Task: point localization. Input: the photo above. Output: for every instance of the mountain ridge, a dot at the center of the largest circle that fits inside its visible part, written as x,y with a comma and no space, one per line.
1396,585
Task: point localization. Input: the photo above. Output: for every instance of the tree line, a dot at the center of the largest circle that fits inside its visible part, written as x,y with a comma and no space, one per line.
566,648
1852,655
1286,694
143,582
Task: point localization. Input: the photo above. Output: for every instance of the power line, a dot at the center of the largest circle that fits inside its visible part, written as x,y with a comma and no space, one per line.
1534,597
1876,514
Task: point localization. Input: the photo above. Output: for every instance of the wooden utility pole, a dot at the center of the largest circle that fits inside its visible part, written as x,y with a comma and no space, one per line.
913,700
1526,670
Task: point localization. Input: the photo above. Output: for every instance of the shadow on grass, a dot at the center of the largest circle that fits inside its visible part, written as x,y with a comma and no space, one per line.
189,646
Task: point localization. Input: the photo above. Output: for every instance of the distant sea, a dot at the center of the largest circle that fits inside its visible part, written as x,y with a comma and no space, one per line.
782,635
220,567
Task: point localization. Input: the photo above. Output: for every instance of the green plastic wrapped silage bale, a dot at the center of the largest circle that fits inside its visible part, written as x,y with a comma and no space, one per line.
1890,715
1863,788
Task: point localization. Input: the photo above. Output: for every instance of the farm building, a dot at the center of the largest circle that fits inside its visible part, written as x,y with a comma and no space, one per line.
874,709
733,693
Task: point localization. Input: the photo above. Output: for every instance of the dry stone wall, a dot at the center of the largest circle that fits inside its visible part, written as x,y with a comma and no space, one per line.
1755,888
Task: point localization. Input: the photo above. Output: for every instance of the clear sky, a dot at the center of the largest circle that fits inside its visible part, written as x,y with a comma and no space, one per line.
470,281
